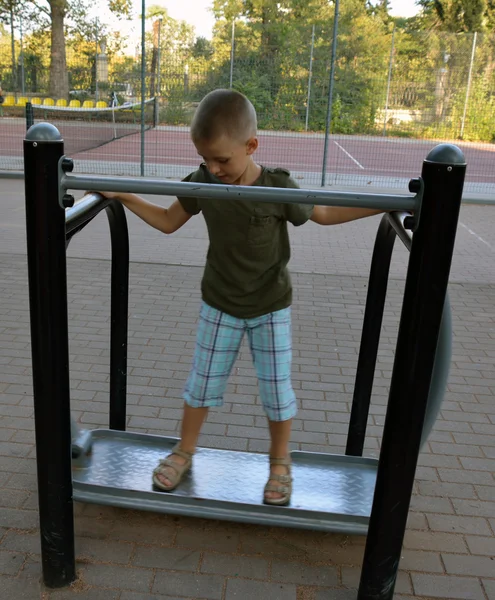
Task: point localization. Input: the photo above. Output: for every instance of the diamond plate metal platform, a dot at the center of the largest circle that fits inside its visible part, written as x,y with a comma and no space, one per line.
330,492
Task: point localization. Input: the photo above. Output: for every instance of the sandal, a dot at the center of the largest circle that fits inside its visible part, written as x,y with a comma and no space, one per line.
286,480
180,470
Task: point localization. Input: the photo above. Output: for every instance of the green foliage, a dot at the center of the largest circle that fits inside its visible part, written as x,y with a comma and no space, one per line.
175,111
430,64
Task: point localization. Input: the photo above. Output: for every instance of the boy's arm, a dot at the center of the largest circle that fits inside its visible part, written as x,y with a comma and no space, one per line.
334,215
166,220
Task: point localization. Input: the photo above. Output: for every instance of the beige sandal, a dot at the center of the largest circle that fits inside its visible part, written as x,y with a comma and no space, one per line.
286,480
180,470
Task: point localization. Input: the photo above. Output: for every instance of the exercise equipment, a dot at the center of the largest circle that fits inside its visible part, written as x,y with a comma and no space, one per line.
334,493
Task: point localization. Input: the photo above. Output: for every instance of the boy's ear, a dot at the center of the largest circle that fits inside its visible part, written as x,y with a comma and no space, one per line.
251,145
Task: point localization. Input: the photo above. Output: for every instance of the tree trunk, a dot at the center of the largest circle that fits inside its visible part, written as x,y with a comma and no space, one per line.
59,80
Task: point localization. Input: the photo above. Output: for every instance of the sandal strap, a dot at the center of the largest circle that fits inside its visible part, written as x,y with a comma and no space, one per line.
282,462
280,489
177,450
280,478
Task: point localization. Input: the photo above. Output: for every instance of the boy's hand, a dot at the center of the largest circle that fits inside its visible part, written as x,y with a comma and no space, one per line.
109,195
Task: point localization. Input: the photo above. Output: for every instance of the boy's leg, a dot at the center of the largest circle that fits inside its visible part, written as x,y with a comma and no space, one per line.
218,340
192,420
270,339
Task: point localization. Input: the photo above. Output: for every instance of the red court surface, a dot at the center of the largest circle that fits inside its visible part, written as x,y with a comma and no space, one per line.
358,156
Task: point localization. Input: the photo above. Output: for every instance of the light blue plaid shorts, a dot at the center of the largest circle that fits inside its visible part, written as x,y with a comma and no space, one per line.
218,340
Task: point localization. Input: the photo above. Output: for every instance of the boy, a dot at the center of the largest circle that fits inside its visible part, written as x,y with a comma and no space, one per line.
246,286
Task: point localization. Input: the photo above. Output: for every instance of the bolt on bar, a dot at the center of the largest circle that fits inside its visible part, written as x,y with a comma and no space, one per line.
402,202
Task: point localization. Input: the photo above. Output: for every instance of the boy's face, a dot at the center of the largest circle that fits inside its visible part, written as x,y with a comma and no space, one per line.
226,158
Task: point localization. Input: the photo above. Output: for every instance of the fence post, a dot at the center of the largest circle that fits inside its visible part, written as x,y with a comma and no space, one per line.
330,92
45,225
310,74
424,298
158,75
232,50
143,81
29,115
468,88
389,79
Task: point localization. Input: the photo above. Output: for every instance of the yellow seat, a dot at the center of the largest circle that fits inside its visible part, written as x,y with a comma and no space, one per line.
48,102
61,102
22,101
101,104
9,101
88,104
35,100
74,104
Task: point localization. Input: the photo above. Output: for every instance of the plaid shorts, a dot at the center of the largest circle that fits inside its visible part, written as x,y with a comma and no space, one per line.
218,340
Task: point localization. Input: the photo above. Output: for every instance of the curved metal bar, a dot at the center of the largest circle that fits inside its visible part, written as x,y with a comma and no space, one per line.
441,369
391,225
76,218
443,356
370,336
142,185
119,314
397,221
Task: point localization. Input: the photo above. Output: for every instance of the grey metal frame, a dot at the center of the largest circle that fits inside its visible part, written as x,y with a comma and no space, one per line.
400,202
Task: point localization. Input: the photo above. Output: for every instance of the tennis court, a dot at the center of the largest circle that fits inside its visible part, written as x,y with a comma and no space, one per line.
356,161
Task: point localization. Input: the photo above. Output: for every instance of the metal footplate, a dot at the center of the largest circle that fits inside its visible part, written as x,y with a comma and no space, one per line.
330,492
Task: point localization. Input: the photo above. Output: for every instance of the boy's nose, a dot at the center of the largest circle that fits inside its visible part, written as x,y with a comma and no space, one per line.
214,168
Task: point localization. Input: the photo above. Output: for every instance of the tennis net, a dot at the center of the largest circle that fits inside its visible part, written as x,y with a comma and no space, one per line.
88,128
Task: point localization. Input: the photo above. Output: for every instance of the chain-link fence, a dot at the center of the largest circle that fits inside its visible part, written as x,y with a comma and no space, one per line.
394,93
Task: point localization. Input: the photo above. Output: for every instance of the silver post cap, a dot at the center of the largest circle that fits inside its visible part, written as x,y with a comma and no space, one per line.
43,132
446,154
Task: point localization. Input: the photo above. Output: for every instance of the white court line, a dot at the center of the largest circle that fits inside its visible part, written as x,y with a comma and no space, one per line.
349,155
477,236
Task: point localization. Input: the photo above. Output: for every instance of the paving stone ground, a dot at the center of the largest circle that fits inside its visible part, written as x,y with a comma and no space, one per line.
449,548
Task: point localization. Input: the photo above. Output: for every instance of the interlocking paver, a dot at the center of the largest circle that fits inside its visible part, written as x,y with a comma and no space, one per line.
113,576
239,589
489,587
20,589
137,556
173,559
90,593
10,562
481,566
451,588
209,587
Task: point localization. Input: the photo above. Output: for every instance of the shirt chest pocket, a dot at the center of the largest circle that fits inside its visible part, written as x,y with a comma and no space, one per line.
262,230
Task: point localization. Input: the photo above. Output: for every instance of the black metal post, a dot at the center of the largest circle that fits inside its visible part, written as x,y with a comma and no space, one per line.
45,224
370,336
29,115
426,286
119,315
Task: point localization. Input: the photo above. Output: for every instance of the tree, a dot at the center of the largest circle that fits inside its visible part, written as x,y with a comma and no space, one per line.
272,46
457,16
10,12
202,48
57,12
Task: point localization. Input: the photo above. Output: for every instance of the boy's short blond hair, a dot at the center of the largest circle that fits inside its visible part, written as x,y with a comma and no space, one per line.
224,113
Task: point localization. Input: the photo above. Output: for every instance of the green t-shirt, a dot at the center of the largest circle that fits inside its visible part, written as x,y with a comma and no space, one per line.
246,273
